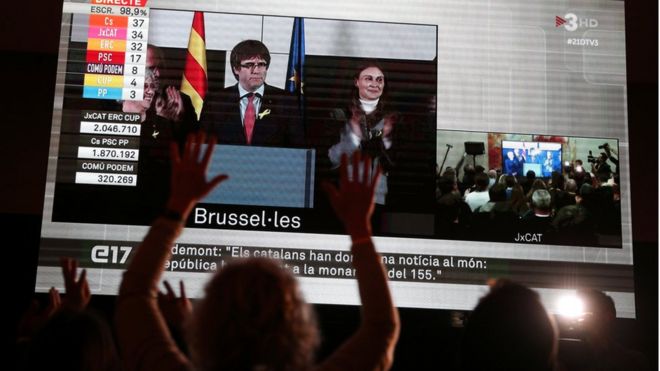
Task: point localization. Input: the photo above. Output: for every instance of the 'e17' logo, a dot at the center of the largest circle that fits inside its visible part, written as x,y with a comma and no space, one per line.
104,254
571,22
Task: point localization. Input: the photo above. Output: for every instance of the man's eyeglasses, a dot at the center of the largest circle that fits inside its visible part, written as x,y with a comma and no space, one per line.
251,65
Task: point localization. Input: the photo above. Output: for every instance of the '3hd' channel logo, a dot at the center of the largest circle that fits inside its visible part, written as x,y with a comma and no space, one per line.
572,22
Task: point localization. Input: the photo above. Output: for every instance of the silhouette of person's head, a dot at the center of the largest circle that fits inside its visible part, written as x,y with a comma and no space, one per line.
601,312
253,316
509,330
74,340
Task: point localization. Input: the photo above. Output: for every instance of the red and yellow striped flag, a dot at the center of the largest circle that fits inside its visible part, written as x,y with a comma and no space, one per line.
195,81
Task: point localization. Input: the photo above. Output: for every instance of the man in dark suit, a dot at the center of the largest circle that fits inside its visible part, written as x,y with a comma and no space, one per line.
253,112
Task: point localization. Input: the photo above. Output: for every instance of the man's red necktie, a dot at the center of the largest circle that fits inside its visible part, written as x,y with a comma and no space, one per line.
250,117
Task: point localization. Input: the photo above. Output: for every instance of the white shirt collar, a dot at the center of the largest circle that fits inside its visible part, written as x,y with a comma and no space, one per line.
242,92
368,106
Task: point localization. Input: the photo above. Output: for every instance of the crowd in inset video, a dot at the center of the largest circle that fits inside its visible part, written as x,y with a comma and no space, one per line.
578,206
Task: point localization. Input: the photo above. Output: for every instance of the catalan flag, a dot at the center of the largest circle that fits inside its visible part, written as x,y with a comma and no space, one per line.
195,81
294,75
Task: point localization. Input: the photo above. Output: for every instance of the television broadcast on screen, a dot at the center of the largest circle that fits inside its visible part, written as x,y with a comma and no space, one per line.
498,135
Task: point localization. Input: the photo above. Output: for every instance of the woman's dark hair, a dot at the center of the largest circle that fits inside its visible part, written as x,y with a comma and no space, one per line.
253,317
383,108
518,199
510,181
355,94
497,193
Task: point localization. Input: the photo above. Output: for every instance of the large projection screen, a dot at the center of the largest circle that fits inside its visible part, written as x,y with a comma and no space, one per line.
461,72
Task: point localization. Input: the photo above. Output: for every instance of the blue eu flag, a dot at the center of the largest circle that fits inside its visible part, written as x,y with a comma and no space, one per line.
294,75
